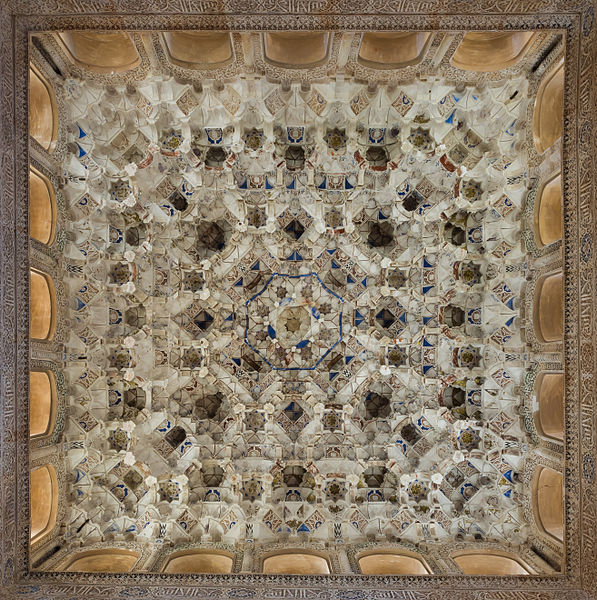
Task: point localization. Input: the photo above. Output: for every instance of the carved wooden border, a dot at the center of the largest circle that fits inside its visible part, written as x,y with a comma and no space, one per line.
19,17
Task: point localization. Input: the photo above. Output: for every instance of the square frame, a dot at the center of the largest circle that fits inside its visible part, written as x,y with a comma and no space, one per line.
19,18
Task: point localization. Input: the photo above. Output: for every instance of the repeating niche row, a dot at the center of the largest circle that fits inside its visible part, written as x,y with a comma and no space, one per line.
300,562
113,52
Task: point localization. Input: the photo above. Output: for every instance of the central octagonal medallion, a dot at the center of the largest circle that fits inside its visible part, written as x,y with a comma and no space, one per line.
294,322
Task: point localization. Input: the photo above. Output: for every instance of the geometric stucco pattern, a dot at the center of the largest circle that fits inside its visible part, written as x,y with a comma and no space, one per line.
296,315
578,358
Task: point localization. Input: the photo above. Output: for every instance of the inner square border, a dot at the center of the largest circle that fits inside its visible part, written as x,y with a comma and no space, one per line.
20,17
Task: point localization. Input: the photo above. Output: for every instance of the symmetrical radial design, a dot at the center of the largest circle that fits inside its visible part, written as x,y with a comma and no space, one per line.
295,313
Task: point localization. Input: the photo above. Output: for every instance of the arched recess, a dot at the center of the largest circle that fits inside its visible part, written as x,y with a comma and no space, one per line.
297,563
490,562
42,305
549,308
42,402
101,51
106,560
548,222
199,561
393,563
42,207
491,50
549,418
43,493
393,50
548,502
549,106
297,49
199,49
43,114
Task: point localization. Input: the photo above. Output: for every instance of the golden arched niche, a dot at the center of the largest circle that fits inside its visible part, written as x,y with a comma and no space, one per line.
107,560
198,49
42,306
42,402
549,106
549,307
392,563
393,50
296,563
549,418
297,49
548,502
43,115
43,492
42,207
199,561
491,50
490,562
548,223
100,51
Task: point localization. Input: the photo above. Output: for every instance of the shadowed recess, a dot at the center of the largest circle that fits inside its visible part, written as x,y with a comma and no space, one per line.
43,116
42,386
43,490
393,50
549,216
199,562
297,48
101,51
42,207
109,560
491,50
486,562
549,308
548,115
42,306
296,564
198,49
548,501
550,397
392,564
